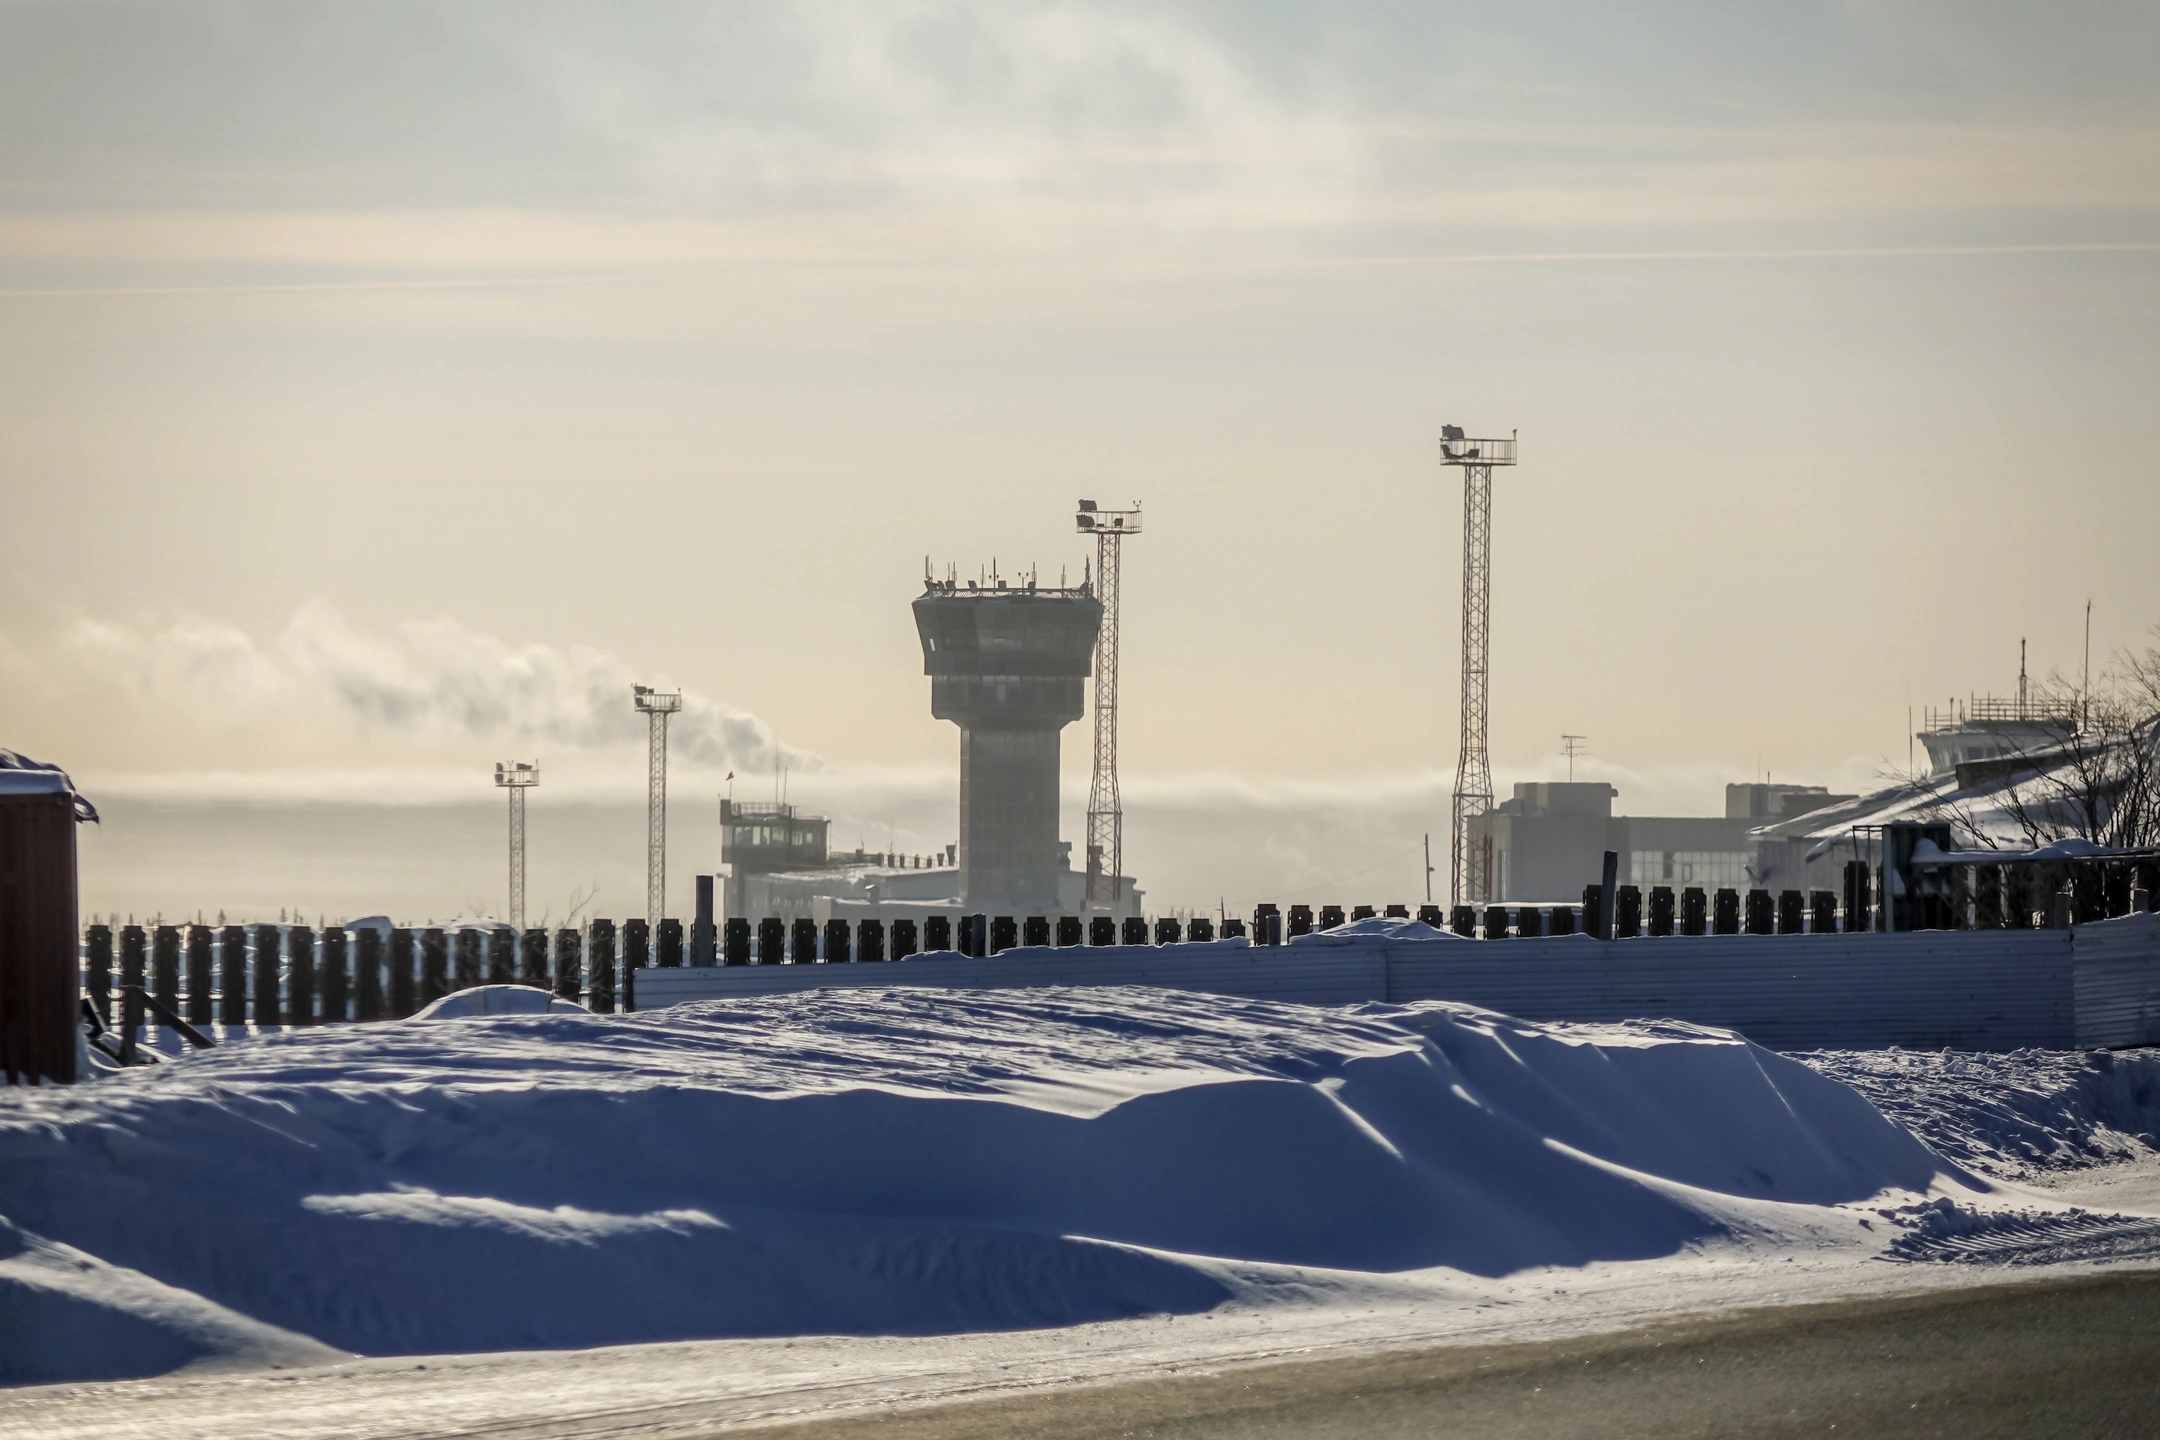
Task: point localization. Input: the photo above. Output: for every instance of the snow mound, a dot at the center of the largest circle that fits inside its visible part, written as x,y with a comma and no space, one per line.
903,1161
70,1316
2015,1114
497,1000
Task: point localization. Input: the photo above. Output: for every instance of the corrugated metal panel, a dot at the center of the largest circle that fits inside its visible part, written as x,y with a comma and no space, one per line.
1980,990
1295,973
2118,982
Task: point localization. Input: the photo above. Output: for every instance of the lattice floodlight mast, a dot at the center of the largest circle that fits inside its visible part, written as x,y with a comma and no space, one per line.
1470,863
517,777
1106,809
657,706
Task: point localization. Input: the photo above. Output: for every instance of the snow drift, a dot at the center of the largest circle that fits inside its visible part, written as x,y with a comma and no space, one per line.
896,1161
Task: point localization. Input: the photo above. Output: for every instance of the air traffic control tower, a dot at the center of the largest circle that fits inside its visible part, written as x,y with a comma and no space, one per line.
1008,663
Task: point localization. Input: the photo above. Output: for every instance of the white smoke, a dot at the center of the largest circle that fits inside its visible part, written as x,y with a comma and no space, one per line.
436,679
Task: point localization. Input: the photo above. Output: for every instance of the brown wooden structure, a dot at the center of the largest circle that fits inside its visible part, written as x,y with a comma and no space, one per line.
39,986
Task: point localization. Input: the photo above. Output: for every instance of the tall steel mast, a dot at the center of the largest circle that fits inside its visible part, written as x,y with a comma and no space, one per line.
1106,809
657,705
1470,860
517,777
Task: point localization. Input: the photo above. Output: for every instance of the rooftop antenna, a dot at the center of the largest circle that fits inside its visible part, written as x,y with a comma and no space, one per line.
1470,862
1106,808
517,777
2021,678
656,706
1573,745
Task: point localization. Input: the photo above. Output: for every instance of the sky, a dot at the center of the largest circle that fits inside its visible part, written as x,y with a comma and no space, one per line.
385,388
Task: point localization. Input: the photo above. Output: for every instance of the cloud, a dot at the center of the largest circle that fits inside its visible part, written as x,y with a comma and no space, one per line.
990,108
436,680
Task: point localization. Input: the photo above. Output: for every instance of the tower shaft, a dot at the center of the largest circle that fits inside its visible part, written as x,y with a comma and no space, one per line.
1470,867
1106,809
517,856
656,706
655,819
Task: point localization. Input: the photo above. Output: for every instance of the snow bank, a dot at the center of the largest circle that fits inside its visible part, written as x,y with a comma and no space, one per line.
498,1000
69,1316
897,1161
2012,1114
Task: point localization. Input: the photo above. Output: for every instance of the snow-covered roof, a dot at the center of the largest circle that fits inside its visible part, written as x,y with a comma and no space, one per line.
20,775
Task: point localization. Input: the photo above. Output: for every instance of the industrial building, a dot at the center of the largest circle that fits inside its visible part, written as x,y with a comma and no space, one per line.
1549,841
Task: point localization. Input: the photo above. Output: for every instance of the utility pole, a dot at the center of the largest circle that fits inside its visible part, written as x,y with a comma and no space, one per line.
1428,867
2085,685
517,777
657,705
1106,808
1470,860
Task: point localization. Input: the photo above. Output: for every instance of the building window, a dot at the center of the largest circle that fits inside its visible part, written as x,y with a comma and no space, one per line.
1710,869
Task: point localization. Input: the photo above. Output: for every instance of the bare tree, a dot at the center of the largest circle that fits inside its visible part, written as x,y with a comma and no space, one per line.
2093,773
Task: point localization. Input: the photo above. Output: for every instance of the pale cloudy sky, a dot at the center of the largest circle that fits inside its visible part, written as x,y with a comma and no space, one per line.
384,387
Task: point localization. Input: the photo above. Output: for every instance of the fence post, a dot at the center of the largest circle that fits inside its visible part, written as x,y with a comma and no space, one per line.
1694,910
637,954
600,956
903,939
569,973
1529,922
869,942
368,963
669,944
165,966
98,964
268,1006
1102,930
1661,911
401,973
434,966
467,972
532,951
200,977
836,942
300,976
702,946
502,943
232,975
738,940
1791,912
336,989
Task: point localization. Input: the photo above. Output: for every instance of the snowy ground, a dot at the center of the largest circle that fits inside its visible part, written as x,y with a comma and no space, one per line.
957,1193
